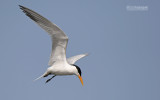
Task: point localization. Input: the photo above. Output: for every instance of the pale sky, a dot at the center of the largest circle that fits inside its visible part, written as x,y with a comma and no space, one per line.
122,38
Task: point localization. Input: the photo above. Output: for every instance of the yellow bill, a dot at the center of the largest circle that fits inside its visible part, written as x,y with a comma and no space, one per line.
80,78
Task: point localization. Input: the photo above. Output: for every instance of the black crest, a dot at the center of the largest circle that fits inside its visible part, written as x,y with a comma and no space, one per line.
79,70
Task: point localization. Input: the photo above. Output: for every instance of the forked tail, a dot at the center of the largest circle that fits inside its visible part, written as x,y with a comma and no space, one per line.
44,75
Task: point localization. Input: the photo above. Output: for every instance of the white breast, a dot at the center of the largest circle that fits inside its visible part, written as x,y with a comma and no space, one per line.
60,68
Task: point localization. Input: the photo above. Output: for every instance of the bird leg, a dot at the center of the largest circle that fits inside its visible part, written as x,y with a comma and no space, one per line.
50,78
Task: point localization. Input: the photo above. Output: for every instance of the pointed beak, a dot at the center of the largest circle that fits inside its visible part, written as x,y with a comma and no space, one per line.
80,78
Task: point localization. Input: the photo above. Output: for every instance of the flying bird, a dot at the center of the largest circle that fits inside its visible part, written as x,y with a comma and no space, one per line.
59,64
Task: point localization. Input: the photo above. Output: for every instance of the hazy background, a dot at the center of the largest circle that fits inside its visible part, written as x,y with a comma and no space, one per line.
123,46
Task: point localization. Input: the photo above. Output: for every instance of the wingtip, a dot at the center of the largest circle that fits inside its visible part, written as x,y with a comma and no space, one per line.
20,6
86,54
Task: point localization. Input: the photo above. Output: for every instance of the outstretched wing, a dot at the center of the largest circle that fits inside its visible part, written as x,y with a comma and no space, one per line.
73,59
59,39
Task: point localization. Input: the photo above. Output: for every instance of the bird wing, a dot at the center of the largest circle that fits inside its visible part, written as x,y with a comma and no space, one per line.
59,39
73,59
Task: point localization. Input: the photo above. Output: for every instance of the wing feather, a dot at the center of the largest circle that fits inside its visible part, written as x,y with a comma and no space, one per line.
73,59
59,39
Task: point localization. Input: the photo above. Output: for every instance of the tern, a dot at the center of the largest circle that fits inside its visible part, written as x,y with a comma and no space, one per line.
59,64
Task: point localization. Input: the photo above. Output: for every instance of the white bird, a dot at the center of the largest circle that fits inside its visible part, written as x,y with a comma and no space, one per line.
59,64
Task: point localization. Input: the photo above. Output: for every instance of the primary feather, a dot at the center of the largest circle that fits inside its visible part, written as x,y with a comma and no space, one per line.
59,39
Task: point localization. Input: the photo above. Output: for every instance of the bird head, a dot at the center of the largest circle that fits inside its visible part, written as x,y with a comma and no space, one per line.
79,73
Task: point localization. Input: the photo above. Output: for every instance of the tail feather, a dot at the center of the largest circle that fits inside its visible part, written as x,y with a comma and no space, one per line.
44,75
38,78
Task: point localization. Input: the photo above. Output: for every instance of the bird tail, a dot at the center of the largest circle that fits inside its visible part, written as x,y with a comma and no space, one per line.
44,75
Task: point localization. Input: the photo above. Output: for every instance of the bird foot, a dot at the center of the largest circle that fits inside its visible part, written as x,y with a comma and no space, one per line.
49,79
